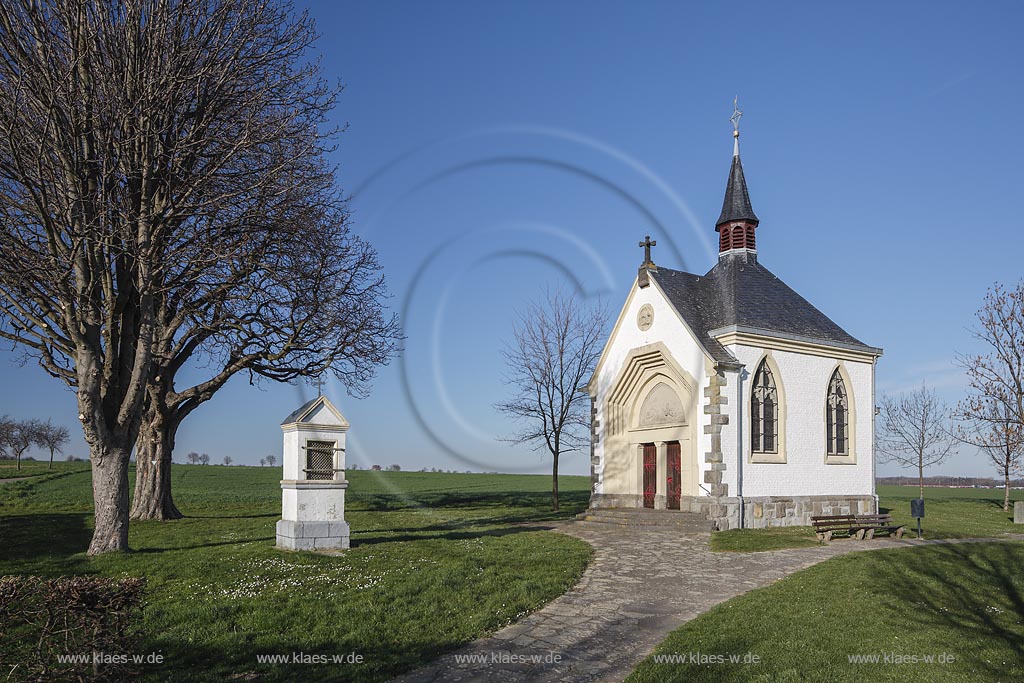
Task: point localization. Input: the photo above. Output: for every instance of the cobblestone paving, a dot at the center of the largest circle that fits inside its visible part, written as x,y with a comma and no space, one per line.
642,584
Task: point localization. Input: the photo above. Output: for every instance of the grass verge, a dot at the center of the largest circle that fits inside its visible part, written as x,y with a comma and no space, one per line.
878,616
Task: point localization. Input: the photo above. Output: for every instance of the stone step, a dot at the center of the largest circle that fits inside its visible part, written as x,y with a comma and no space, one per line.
645,513
645,517
606,523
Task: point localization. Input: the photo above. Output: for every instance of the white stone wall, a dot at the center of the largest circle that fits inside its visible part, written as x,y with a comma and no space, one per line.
668,329
294,456
313,502
804,379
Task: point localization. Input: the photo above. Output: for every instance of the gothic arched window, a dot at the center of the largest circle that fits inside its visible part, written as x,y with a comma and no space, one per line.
764,411
837,417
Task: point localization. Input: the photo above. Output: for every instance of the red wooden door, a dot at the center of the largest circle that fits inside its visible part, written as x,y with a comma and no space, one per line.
650,474
675,476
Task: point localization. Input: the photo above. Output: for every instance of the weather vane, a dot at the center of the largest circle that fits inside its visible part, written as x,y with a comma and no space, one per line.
736,116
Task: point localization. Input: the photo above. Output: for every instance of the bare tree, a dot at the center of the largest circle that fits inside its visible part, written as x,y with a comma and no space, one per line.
204,459
6,432
53,438
147,152
313,303
133,138
999,437
227,460
993,409
271,460
20,436
303,296
556,345
998,376
916,431
263,462
193,457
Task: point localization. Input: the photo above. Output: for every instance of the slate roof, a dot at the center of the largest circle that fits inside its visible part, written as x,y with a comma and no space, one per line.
736,205
741,292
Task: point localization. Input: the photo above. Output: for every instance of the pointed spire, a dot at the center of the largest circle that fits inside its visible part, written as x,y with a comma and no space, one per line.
738,222
736,206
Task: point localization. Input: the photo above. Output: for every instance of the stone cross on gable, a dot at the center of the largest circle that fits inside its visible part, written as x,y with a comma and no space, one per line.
647,244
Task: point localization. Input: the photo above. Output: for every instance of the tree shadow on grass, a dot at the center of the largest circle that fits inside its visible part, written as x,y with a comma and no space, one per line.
241,516
27,538
378,536
533,503
211,544
975,590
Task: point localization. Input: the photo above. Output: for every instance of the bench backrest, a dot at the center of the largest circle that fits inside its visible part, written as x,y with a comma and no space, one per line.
833,520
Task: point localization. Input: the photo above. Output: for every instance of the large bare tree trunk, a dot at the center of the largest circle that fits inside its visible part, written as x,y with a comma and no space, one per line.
153,450
110,497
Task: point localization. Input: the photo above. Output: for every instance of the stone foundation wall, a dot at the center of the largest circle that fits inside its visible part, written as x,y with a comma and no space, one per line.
758,513
766,511
312,535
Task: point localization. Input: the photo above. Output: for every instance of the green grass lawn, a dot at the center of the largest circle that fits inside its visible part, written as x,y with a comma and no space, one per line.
437,560
31,468
949,513
964,601
953,513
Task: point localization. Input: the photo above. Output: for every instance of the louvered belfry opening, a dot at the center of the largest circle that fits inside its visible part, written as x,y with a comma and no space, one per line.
737,235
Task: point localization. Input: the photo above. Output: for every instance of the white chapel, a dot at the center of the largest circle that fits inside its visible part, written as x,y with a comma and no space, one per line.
729,395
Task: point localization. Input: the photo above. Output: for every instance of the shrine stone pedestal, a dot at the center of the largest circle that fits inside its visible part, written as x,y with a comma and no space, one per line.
313,487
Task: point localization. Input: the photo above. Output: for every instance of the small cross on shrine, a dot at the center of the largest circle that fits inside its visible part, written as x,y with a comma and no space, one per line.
647,244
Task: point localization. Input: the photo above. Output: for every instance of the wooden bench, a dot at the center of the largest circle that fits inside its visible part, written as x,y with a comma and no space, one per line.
869,524
855,526
828,525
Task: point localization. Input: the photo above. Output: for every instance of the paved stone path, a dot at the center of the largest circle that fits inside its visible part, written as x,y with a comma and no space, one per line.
642,584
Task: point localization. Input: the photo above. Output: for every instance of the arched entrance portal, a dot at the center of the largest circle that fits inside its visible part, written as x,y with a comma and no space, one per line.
649,452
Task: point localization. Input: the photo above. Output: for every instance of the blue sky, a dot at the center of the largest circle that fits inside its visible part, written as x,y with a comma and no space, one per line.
495,148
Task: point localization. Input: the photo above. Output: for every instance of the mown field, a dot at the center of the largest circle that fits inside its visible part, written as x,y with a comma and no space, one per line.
437,560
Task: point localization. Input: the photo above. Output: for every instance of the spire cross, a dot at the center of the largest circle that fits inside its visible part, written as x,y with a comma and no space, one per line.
647,244
319,382
736,116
